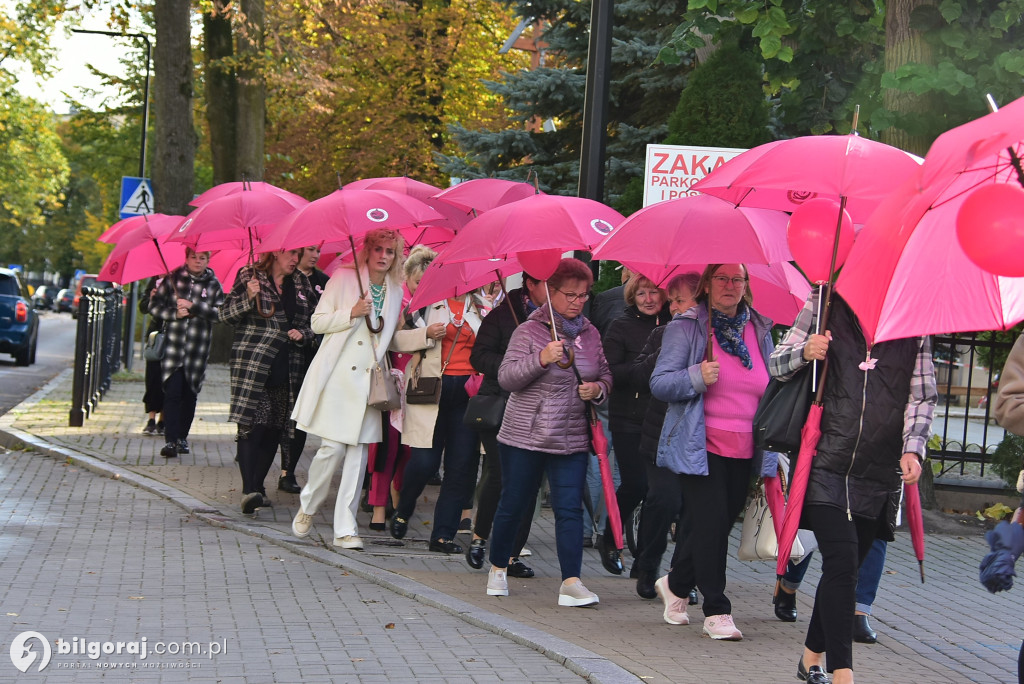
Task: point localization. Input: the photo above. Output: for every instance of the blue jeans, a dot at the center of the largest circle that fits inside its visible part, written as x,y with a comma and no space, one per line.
460,447
868,576
521,473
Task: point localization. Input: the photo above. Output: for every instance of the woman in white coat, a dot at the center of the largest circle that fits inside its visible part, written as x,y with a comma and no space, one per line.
332,400
445,333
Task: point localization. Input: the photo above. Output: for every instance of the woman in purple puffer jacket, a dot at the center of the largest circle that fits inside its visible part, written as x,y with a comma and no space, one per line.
545,428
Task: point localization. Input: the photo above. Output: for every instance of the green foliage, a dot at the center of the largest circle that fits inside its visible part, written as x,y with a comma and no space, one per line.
1008,458
723,104
995,357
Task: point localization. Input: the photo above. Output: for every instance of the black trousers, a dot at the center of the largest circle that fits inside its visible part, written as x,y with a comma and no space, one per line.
179,406
255,455
843,544
632,477
488,492
662,504
291,449
153,399
712,503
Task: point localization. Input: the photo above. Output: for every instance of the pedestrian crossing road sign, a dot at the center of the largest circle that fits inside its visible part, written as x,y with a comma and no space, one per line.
136,196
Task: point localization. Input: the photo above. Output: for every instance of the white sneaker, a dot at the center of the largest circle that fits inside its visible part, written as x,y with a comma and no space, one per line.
497,583
349,541
302,524
721,627
675,607
527,552
576,594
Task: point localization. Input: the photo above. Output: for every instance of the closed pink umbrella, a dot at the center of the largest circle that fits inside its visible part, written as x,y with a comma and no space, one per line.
809,437
912,504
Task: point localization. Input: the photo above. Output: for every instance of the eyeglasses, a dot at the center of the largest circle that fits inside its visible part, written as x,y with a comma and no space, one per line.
572,296
722,281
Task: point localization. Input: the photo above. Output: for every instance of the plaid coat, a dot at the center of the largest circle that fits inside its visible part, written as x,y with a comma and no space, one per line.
256,339
188,339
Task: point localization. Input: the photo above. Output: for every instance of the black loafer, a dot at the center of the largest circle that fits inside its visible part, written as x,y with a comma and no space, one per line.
785,605
475,553
378,527
862,632
611,558
170,450
399,527
645,584
287,483
812,675
517,568
444,546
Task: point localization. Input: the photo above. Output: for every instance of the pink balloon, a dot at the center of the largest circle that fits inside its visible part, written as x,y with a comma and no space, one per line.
811,235
540,263
990,228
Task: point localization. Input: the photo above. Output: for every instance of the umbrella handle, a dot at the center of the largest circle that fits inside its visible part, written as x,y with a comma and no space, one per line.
570,358
261,312
375,328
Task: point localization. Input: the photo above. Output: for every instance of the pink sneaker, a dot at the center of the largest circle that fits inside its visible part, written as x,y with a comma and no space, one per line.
722,627
675,607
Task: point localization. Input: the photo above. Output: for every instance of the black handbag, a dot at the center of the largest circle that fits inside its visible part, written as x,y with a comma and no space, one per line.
427,390
484,412
782,412
156,346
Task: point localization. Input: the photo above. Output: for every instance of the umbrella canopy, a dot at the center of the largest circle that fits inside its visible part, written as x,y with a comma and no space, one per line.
403,185
443,281
218,191
786,173
142,251
336,220
483,194
907,274
539,222
163,223
698,229
246,215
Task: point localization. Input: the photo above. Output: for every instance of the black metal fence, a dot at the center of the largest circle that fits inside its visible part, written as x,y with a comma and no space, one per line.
965,436
97,349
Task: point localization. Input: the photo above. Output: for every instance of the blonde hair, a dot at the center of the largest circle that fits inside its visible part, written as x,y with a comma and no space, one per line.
635,282
381,236
420,256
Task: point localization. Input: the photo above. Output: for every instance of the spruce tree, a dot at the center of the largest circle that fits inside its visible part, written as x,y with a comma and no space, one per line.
642,96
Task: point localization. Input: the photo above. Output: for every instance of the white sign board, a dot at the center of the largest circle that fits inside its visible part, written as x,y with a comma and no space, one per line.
671,169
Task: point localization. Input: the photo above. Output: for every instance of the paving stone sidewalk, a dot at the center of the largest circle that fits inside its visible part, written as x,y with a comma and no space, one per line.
947,630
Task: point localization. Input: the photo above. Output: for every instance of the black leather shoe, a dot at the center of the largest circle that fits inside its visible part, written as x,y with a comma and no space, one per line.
812,675
862,632
692,597
378,527
611,558
444,546
645,584
475,553
183,446
265,501
517,568
287,483
785,605
251,501
399,527
170,450
588,543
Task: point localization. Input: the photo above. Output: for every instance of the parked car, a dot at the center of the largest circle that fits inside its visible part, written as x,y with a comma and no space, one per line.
64,300
42,298
19,322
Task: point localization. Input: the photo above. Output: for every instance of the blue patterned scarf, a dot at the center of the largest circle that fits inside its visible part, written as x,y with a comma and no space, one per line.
570,327
729,333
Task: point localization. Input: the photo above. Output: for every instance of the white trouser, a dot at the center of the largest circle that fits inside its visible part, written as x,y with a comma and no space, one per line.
352,459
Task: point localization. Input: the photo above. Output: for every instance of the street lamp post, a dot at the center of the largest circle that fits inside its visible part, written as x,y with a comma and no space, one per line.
129,320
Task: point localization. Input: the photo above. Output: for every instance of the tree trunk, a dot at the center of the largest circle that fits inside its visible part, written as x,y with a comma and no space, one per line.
173,172
904,45
221,90
251,111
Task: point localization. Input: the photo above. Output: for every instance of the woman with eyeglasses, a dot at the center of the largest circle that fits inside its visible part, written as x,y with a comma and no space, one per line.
645,310
546,427
712,372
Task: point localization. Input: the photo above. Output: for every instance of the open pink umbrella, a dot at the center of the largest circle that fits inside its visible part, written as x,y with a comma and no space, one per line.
483,194
142,251
218,191
164,223
698,229
246,215
444,281
400,184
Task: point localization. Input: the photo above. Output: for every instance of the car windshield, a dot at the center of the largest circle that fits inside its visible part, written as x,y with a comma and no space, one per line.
8,286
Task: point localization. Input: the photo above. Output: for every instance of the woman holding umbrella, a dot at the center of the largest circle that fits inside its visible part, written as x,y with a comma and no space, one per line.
877,412
546,427
267,361
712,382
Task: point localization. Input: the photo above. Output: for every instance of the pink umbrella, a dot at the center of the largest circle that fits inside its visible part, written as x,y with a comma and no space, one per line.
599,443
698,229
218,191
483,194
163,223
443,281
912,503
246,215
400,184
809,437
142,252
786,173
226,264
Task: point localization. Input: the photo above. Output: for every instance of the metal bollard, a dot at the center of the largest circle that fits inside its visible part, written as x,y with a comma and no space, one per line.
79,377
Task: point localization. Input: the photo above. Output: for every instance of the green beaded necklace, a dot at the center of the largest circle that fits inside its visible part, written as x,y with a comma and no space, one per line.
378,292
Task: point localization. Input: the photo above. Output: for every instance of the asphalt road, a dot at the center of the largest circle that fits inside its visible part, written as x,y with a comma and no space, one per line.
55,352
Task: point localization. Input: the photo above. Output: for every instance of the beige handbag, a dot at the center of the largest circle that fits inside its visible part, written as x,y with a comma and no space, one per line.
385,394
758,541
